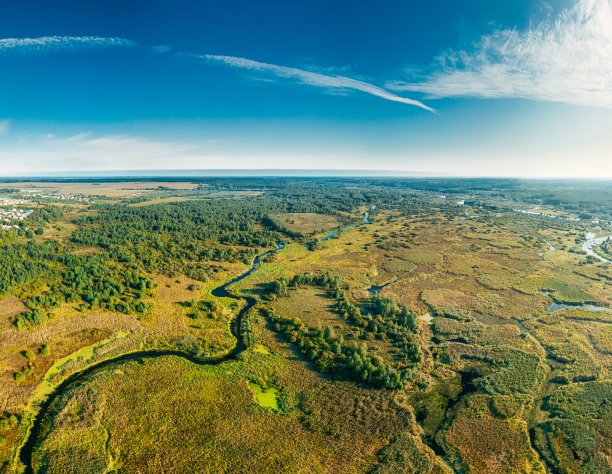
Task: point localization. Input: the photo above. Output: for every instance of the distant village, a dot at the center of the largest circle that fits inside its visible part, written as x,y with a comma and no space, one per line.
9,216
61,197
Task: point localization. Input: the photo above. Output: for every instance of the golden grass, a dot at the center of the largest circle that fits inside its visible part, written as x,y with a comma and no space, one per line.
307,222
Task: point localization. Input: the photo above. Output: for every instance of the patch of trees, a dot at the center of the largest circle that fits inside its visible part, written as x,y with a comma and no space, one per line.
44,215
332,355
382,318
606,247
274,223
20,263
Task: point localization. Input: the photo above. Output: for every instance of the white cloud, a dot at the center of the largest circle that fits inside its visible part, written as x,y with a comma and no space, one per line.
4,126
59,43
314,78
84,151
564,59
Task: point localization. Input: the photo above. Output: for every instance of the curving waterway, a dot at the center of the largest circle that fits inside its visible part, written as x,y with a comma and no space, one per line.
594,242
550,249
43,416
331,234
557,306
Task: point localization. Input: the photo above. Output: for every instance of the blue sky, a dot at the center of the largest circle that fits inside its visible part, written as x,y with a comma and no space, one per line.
511,88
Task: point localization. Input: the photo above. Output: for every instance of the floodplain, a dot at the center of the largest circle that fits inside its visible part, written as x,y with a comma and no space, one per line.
459,362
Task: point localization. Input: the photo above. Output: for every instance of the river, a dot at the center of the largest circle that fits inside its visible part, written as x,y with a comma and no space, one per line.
331,234
557,306
550,249
593,242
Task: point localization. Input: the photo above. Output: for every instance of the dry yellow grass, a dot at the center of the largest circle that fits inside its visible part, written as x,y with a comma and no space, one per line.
307,222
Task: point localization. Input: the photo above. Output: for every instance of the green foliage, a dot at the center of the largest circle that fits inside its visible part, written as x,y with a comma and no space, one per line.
97,283
30,355
590,400
516,371
575,437
577,364
176,238
339,359
402,455
508,406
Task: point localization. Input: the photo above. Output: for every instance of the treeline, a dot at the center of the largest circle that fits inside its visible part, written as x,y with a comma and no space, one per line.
43,215
329,352
176,238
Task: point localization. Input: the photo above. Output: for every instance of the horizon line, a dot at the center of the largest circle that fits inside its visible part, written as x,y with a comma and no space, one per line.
271,173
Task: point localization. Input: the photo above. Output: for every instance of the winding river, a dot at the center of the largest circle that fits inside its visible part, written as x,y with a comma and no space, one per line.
593,242
550,249
37,429
331,234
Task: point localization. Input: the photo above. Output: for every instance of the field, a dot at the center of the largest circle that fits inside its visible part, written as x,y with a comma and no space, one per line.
461,362
307,222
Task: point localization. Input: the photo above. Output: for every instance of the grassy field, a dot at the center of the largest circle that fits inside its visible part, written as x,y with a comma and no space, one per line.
307,222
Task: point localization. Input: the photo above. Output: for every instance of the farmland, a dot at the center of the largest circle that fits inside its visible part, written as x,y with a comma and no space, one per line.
436,337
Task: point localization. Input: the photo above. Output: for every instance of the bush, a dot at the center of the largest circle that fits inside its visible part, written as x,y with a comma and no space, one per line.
30,355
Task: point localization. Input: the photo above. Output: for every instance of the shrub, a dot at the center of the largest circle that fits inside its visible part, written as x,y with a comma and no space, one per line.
30,355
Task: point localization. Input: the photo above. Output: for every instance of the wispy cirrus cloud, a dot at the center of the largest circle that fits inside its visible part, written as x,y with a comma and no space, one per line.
60,43
563,59
69,43
313,78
